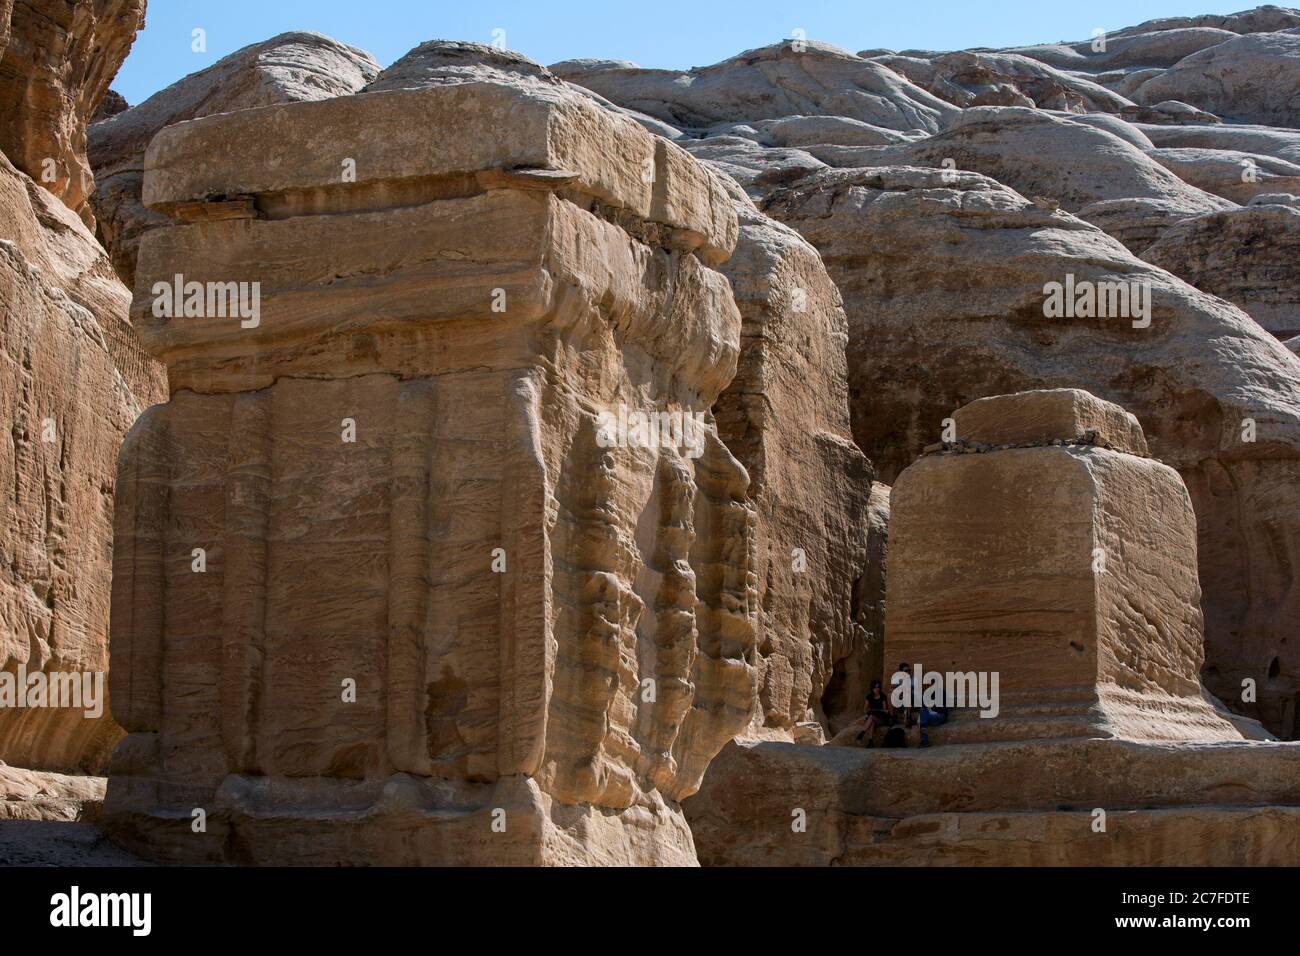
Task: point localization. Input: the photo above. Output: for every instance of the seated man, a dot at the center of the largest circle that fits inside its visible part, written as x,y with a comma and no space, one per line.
931,717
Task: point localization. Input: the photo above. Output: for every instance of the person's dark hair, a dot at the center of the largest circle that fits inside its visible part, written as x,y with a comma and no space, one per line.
905,667
876,686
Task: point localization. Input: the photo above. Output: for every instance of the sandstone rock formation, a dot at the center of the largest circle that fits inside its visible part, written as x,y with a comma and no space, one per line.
33,795
487,316
756,168
1026,149
1248,79
1234,175
1002,804
61,56
1262,19
73,380
786,418
1263,140
945,285
1249,256
970,78
1098,714
1138,48
786,79
1044,546
398,575
439,62
289,68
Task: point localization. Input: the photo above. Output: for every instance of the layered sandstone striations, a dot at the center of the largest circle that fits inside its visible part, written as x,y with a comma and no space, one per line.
289,68
61,56
72,380
1248,79
550,627
946,284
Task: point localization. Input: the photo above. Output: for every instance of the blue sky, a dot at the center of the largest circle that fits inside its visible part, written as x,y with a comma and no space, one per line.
674,34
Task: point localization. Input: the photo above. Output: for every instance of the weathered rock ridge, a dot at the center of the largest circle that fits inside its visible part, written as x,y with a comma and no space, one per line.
72,380
56,67
945,287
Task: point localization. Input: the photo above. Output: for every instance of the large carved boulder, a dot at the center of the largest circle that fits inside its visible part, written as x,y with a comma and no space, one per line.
1041,556
433,591
61,56
1043,546
946,287
289,68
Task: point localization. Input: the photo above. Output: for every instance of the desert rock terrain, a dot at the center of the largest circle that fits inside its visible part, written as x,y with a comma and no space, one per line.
472,461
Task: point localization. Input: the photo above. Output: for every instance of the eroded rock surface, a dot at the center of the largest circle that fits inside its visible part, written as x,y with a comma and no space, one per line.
1041,155
289,68
994,573
785,79
1043,545
60,59
74,380
489,316
1249,256
945,285
1248,79
786,417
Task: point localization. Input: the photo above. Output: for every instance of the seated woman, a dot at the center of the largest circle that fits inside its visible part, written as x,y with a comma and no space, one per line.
880,713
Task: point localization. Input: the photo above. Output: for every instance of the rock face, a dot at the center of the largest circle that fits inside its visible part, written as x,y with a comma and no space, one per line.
1231,174
1098,713
1002,804
786,79
289,68
440,62
33,795
488,624
1248,79
1044,546
946,288
1265,140
970,78
1249,256
61,56
1024,149
786,418
73,382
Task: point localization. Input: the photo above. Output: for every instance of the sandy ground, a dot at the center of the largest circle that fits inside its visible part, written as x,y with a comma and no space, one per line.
59,843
